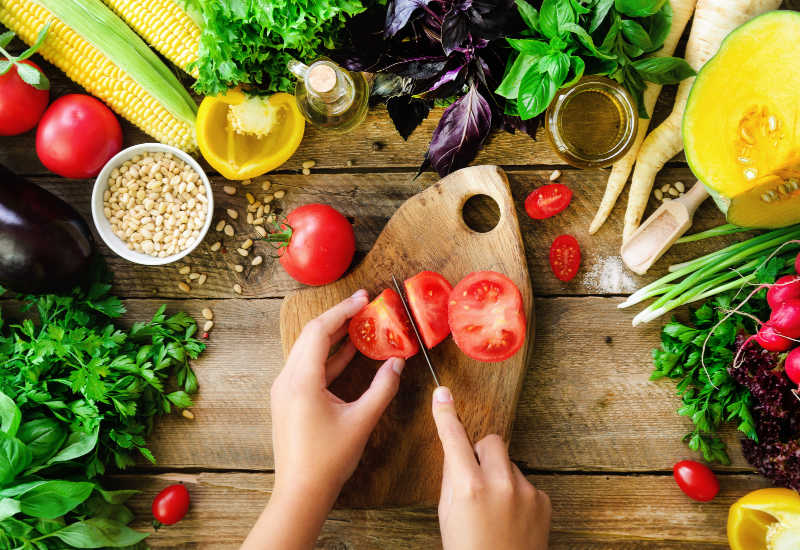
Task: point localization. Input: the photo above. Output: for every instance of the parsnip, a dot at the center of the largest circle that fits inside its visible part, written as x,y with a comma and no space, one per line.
713,21
681,13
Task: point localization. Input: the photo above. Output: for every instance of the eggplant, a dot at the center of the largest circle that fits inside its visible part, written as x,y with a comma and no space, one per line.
45,245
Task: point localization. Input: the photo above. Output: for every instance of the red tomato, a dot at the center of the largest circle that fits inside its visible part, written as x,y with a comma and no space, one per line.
696,480
21,105
428,293
382,329
486,317
171,504
548,200
318,244
78,134
565,257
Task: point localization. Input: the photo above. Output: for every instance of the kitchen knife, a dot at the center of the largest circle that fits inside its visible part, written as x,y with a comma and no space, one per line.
416,330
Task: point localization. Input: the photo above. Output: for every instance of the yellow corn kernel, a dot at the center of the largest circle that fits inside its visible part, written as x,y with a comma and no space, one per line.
91,69
164,25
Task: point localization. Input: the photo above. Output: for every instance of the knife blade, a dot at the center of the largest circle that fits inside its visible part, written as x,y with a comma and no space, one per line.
416,330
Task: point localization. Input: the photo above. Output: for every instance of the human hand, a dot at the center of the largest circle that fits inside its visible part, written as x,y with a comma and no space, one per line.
485,503
318,439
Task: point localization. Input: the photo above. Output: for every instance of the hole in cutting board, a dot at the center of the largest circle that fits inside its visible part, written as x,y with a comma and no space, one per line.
481,213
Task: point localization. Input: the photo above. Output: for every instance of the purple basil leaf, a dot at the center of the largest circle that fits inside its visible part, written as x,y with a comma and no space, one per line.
407,113
455,74
421,68
512,123
455,27
491,19
463,128
399,12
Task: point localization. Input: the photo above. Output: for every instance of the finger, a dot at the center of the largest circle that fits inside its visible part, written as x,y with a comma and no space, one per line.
519,477
458,454
339,360
493,457
317,337
373,402
337,336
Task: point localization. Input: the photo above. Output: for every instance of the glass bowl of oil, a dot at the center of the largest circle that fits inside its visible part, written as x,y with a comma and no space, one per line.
593,123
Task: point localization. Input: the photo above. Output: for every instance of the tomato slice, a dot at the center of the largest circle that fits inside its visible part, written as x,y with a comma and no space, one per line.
548,200
565,257
486,316
382,329
428,293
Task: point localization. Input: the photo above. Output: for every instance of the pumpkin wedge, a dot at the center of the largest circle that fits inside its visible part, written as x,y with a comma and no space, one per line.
741,128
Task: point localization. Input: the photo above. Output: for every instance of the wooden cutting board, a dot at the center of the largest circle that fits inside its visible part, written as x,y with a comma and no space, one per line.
402,464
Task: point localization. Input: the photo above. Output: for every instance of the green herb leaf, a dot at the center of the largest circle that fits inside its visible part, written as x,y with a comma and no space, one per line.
5,66
98,533
33,76
6,38
14,458
533,48
638,8
535,93
659,25
587,41
601,9
8,507
40,38
509,87
578,68
636,35
553,16
529,14
663,70
10,415
55,498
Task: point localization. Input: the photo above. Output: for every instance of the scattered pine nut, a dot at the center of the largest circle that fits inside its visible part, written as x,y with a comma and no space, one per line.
349,163
268,198
260,212
247,182
193,276
202,280
208,325
237,288
257,260
216,246
247,244
185,270
242,251
665,188
674,192
238,268
271,218
306,172
680,186
220,225
265,186
555,174
250,218
229,190
659,194
309,164
229,230
184,287
186,413
280,194
207,313
232,214
258,221
261,231
250,198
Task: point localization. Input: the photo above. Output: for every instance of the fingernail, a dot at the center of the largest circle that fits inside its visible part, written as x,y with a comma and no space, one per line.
398,365
443,395
360,294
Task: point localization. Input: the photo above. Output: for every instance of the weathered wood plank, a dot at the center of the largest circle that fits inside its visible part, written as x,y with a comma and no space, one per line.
585,404
370,200
589,513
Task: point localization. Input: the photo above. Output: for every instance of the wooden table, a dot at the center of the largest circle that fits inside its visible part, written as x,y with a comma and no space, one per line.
591,429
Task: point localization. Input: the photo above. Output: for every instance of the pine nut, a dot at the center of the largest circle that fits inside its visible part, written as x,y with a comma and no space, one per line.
229,190
186,413
185,270
680,186
242,251
220,225
268,198
250,218
257,260
659,194
232,214
674,192
202,280
229,230
184,287
216,246
247,182
306,172
208,325
237,288
280,194
265,186
207,313
238,268
247,244
250,198
258,221
309,164
261,231
554,175
665,188
194,276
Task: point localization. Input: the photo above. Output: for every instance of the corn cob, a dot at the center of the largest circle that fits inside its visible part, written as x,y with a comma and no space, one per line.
141,93
164,25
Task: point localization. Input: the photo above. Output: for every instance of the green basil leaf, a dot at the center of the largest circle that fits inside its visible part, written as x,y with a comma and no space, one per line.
638,8
43,436
529,46
535,93
632,51
33,76
636,35
10,415
47,526
6,38
36,45
658,26
578,68
55,498
556,65
663,70
8,508
14,458
611,36
78,444
587,41
15,528
529,14
509,88
579,8
20,489
98,533
116,497
553,15
601,9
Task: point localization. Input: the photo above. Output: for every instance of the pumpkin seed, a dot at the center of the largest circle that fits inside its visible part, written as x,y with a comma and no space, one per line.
766,198
750,173
746,136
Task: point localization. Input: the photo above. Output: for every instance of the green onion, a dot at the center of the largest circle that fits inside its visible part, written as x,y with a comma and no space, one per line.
726,229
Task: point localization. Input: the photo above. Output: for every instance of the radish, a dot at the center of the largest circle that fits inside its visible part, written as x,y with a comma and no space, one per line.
769,339
792,365
797,264
785,288
786,318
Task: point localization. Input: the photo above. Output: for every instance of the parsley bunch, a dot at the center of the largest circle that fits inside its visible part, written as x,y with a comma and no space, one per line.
79,394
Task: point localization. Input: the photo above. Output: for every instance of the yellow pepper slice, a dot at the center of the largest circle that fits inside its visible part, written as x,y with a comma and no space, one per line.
766,519
245,136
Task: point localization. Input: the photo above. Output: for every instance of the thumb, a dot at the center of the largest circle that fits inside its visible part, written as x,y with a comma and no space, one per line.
458,452
384,386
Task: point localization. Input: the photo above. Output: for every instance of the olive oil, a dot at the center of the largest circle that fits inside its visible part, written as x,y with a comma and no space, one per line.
593,123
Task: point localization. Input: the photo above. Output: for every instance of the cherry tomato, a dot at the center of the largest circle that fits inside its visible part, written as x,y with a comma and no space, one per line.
428,293
486,316
21,105
78,134
696,480
318,244
548,200
565,257
382,329
171,504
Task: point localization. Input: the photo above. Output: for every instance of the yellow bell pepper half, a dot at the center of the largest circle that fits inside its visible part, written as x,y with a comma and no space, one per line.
767,519
244,136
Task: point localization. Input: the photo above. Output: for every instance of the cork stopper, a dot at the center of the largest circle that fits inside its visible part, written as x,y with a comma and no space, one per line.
322,78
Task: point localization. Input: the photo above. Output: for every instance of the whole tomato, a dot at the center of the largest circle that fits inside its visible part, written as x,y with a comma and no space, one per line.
317,244
696,480
171,504
78,134
21,105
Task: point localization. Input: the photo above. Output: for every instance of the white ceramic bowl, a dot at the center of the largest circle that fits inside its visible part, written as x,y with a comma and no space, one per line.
104,226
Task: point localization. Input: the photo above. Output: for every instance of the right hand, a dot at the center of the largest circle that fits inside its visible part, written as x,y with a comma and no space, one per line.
486,502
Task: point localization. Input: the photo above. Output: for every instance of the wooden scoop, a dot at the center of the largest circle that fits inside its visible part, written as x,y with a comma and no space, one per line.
660,231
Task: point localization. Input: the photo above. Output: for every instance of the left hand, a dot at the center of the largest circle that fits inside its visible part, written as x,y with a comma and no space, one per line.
318,439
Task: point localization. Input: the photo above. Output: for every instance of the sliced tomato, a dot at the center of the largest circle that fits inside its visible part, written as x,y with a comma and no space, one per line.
486,316
548,200
428,293
382,329
565,257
